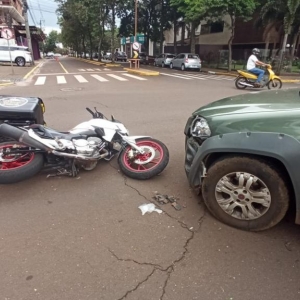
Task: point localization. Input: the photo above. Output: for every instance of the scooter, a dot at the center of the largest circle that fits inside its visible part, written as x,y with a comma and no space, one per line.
247,79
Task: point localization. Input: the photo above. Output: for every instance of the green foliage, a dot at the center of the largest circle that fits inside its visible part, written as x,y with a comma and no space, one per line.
51,40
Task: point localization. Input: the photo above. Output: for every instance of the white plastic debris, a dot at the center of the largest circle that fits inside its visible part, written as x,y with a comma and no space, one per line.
149,208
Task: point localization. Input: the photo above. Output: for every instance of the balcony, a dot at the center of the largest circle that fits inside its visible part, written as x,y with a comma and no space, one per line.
14,8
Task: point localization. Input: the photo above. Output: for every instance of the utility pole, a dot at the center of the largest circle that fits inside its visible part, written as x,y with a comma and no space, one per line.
28,35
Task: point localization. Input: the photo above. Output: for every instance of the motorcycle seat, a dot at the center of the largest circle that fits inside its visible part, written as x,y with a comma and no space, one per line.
48,133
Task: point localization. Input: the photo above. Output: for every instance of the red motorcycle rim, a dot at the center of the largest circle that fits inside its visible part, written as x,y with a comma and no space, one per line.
19,162
131,165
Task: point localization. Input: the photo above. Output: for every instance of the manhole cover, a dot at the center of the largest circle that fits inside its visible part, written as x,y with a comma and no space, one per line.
70,89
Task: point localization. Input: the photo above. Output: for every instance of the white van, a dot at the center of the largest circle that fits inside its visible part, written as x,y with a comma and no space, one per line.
19,55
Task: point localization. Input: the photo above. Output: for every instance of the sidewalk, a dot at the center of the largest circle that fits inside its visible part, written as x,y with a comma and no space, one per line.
9,76
287,78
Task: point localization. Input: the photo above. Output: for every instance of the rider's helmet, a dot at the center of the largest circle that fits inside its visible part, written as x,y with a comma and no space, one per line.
255,51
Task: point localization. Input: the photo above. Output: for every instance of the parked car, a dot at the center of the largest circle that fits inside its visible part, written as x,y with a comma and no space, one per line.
186,61
242,154
120,56
19,55
107,56
146,59
164,59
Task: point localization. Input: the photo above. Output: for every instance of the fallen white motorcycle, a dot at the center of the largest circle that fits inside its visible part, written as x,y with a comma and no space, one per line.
36,147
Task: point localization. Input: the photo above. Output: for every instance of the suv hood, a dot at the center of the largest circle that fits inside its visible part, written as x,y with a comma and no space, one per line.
270,111
255,102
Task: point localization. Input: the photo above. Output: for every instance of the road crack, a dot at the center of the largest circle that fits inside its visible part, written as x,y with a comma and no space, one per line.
169,269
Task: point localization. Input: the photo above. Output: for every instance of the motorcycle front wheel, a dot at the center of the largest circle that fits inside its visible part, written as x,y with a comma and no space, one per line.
275,84
147,165
18,167
238,82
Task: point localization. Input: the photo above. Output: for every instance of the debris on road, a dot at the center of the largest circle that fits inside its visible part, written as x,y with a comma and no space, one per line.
149,208
165,199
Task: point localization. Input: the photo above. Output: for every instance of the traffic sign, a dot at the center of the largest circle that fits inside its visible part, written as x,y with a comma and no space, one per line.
7,33
135,54
136,46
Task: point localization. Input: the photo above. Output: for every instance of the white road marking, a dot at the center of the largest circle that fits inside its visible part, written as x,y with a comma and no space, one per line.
106,69
41,80
98,70
117,77
191,76
99,78
61,80
135,77
81,70
80,78
181,77
90,70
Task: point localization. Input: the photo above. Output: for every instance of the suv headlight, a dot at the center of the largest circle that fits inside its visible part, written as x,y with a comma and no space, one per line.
200,128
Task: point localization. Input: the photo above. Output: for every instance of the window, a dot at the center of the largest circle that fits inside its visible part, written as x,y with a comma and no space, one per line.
170,56
213,27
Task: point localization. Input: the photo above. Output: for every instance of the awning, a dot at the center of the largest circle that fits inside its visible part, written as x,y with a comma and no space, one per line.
13,12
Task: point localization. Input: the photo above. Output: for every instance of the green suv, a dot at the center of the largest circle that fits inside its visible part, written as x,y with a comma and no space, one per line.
243,156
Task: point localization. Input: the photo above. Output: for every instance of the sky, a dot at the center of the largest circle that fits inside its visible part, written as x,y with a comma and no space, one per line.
43,11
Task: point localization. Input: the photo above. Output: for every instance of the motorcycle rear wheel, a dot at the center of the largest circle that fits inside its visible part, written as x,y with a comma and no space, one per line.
144,166
237,83
19,167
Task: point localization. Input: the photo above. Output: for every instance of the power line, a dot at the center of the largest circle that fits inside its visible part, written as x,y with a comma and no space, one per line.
44,10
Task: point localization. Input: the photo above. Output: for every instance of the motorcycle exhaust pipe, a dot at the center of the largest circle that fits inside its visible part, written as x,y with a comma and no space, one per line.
247,84
80,157
21,136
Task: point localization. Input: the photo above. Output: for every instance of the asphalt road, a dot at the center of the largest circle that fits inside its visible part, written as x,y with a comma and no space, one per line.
85,238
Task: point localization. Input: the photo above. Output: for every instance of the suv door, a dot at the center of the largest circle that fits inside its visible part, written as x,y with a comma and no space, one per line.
4,53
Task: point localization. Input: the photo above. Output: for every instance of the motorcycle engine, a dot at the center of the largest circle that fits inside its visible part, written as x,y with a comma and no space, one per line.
89,147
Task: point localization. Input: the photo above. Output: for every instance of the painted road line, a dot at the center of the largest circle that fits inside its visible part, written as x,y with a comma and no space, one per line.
90,70
98,70
41,80
63,68
61,79
135,77
81,70
191,76
181,77
117,77
106,69
30,72
80,78
99,78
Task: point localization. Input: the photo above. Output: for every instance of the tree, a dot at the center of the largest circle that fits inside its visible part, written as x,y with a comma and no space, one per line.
282,10
51,40
242,9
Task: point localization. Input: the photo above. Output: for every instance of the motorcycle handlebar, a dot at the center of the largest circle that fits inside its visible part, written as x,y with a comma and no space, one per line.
90,111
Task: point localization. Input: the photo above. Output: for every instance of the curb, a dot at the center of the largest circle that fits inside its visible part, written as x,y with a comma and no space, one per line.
112,65
30,72
141,72
232,75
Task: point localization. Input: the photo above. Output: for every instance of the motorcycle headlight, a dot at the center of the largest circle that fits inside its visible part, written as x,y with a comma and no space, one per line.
200,128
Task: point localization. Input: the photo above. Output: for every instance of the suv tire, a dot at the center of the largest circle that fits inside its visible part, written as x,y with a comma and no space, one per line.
20,61
252,203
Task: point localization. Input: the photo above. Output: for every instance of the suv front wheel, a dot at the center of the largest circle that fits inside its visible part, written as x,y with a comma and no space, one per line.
246,193
20,61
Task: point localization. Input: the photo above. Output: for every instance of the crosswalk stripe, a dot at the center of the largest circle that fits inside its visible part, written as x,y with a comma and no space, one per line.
99,78
61,79
98,70
117,77
192,76
80,78
41,80
81,70
187,78
135,77
90,70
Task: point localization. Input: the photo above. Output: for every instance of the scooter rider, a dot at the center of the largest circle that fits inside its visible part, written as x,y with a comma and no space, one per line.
251,66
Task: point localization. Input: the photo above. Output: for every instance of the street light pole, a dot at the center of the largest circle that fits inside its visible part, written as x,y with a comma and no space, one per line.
135,25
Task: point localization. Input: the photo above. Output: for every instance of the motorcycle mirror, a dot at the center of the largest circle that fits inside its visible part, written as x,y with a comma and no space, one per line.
112,118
